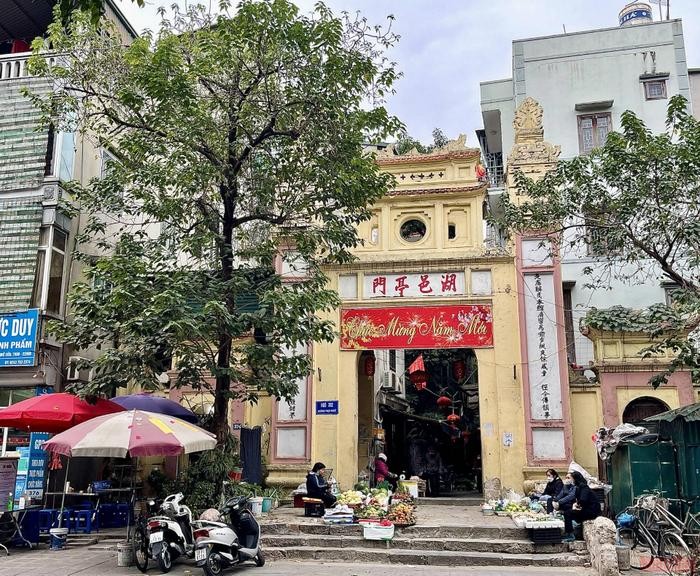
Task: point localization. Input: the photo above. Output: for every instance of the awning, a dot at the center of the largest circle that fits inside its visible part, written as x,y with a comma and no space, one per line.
689,413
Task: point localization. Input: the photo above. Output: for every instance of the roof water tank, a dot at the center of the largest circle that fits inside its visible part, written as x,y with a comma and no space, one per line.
636,13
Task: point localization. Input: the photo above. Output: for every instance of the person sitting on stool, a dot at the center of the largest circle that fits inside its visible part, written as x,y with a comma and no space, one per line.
586,507
317,487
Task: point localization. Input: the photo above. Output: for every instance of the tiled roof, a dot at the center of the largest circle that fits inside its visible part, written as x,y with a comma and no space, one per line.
429,158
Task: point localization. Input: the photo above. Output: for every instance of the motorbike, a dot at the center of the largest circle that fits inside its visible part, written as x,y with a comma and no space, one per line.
166,536
219,545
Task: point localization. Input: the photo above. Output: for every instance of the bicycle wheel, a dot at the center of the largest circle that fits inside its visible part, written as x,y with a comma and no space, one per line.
641,555
674,551
140,547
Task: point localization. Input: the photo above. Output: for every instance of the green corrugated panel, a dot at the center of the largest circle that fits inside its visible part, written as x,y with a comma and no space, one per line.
22,141
20,222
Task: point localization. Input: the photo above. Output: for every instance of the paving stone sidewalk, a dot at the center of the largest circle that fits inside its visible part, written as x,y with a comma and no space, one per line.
80,561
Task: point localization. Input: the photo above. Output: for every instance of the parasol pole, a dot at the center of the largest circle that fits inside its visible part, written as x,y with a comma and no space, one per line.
63,494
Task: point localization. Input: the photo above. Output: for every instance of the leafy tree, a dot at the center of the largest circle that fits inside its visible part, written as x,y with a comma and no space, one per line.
238,138
93,7
405,142
635,203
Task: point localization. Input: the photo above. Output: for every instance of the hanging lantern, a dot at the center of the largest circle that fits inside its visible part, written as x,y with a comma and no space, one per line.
459,369
453,418
444,401
370,365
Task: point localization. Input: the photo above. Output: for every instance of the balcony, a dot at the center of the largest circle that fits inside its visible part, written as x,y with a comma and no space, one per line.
14,66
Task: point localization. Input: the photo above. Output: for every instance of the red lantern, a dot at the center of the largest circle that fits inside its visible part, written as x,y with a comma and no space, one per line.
459,369
444,401
453,418
370,365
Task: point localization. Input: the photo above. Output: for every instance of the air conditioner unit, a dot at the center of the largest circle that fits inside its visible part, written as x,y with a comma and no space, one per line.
76,374
391,382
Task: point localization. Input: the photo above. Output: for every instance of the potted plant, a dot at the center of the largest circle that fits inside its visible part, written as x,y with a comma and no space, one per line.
269,495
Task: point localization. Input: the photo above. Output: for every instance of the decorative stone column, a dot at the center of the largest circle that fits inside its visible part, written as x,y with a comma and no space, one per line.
540,307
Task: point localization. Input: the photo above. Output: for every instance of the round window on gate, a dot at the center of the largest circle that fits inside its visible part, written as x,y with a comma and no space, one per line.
413,230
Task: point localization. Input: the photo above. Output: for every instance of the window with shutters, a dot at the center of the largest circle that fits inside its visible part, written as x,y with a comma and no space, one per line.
655,89
593,130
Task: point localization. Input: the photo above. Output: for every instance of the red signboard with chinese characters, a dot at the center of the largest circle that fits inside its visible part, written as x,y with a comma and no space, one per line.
464,326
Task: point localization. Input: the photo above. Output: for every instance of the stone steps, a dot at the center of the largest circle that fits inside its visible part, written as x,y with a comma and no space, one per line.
421,557
455,531
423,544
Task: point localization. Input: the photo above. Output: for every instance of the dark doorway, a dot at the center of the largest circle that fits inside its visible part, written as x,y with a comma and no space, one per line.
641,408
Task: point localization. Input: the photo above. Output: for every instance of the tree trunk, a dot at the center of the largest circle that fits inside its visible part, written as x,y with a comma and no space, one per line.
223,381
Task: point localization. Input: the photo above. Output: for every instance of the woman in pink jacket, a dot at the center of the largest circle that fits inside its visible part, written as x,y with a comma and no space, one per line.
381,472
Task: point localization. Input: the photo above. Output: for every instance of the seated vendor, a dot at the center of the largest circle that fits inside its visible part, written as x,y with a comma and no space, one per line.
566,497
586,506
317,487
553,487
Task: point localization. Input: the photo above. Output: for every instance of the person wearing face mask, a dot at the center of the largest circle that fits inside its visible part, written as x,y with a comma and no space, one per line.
586,507
554,486
566,497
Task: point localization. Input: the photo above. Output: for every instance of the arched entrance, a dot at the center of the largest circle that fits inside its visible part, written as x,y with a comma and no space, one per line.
430,429
640,408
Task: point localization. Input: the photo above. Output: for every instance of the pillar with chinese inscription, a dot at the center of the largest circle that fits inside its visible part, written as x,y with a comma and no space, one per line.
540,309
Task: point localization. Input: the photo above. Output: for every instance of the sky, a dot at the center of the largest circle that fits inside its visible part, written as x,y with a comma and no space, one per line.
448,46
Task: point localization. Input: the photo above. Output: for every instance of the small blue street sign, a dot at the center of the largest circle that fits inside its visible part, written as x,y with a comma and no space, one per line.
326,407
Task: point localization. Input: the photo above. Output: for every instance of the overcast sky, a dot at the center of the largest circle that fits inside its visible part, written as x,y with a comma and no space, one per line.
448,46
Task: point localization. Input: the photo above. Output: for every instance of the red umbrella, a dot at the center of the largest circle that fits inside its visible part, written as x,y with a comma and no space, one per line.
54,412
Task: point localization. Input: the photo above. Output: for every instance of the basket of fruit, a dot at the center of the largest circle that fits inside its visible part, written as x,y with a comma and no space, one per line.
402,515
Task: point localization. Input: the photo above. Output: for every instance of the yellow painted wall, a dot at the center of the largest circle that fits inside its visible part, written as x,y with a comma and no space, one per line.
626,395
586,418
451,197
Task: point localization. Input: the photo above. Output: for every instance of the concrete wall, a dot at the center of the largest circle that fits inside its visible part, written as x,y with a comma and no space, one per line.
564,70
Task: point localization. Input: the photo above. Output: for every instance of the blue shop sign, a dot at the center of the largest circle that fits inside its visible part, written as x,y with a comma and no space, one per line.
36,468
326,407
18,332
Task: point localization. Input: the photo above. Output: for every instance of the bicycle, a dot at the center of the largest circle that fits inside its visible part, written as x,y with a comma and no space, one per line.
650,534
139,540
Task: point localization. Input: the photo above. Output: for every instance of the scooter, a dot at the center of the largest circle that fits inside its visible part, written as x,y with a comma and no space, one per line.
171,533
220,546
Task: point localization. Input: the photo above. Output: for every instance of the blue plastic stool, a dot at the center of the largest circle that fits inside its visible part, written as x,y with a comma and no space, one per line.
47,516
107,516
66,520
82,521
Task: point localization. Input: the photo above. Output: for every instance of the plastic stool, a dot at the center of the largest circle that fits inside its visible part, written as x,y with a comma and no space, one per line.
107,516
66,519
82,521
47,516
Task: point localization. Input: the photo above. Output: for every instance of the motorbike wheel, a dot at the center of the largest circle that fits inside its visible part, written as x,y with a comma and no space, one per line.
165,559
259,559
214,565
139,545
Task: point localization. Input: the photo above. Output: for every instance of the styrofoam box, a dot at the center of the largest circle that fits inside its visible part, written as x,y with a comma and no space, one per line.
377,532
548,524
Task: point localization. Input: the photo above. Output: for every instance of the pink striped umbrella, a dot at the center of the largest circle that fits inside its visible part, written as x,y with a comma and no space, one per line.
133,432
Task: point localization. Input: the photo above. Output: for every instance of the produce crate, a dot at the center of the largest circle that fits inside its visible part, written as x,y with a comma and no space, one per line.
545,535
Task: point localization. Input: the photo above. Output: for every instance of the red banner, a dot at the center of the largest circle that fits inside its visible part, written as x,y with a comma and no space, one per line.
468,326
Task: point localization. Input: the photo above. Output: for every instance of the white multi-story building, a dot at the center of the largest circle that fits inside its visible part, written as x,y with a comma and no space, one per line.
37,235
584,81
